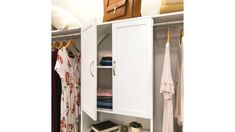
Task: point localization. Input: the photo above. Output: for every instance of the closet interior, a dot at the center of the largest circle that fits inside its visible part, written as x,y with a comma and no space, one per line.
121,68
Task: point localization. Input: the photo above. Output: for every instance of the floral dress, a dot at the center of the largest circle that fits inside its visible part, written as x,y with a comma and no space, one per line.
69,71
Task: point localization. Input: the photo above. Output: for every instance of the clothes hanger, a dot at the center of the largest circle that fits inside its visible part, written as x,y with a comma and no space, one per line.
168,36
56,44
66,45
70,43
52,45
181,34
62,44
72,47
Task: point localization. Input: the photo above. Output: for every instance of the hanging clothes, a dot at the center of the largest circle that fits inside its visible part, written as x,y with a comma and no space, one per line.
179,86
167,88
69,71
55,94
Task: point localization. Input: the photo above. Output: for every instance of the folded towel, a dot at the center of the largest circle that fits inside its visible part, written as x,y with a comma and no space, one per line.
106,62
105,100
104,92
107,58
104,97
101,104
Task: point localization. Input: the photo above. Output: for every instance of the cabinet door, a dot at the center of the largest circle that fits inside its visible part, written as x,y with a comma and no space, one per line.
89,69
133,67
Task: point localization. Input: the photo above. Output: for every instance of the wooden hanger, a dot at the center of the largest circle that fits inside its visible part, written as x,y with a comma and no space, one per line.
62,44
56,45
168,36
52,44
71,43
181,34
66,45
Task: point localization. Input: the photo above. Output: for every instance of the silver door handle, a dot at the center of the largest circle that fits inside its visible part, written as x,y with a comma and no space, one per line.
91,71
114,68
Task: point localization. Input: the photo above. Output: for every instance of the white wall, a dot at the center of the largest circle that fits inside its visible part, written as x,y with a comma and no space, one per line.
87,9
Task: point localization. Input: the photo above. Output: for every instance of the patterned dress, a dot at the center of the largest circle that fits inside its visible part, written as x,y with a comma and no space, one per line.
69,71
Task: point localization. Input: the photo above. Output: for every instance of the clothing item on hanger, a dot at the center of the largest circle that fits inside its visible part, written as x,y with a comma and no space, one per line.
55,94
179,86
69,72
167,88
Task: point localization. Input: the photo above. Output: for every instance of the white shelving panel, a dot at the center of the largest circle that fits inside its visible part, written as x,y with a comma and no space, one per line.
105,110
114,36
106,67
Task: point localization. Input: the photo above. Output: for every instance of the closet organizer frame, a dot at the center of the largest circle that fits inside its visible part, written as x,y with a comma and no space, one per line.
104,29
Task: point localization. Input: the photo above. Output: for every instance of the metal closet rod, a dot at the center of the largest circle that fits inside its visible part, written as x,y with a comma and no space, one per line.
66,35
157,24
168,23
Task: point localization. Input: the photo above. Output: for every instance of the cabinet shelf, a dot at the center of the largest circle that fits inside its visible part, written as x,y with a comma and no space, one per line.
105,110
104,67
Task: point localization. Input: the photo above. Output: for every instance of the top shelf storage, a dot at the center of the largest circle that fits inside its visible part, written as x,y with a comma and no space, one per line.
105,28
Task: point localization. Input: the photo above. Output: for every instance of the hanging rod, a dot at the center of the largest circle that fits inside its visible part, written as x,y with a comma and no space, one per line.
168,23
66,35
55,36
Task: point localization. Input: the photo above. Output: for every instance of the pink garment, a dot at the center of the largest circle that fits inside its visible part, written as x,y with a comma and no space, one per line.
167,88
104,92
179,86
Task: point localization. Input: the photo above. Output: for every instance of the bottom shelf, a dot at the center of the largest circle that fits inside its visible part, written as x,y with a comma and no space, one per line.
105,110
109,114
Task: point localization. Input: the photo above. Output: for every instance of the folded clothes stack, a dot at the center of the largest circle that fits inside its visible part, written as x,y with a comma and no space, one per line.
106,61
104,98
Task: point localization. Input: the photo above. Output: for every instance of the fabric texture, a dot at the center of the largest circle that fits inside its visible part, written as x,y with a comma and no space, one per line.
106,61
104,97
167,88
104,92
55,94
179,87
105,104
69,72
62,19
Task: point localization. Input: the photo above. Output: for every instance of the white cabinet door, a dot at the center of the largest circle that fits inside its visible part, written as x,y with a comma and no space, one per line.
133,67
89,69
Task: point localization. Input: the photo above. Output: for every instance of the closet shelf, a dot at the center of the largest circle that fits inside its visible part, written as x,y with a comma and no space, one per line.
104,67
169,17
75,32
105,110
105,28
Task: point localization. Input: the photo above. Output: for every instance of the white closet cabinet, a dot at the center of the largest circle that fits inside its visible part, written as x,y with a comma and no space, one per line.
88,69
133,68
131,71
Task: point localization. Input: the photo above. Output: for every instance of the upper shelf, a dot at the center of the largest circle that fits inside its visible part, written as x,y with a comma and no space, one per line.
106,27
169,17
63,33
